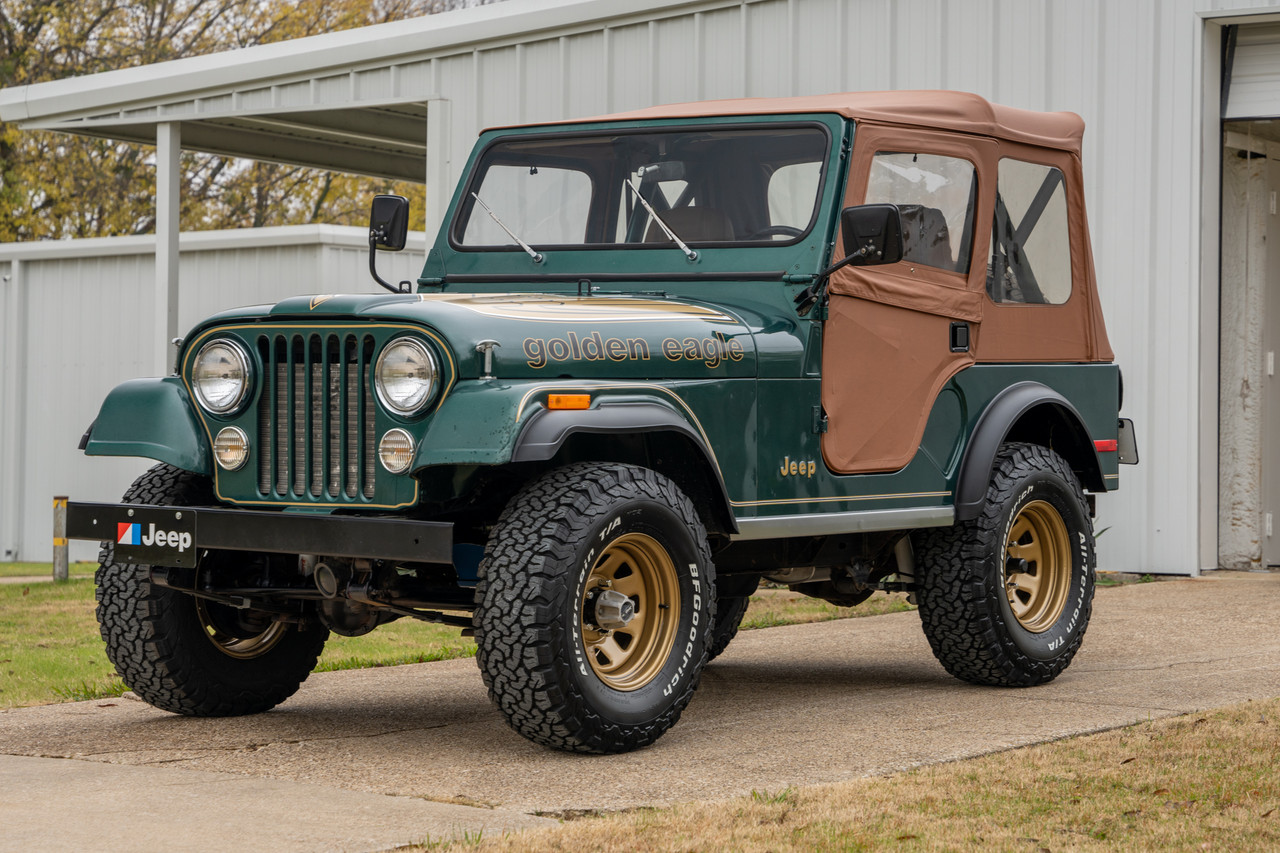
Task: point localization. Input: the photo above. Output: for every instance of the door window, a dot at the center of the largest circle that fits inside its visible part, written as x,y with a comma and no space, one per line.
936,196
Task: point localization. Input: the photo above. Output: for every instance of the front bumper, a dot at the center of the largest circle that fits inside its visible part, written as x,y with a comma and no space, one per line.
175,536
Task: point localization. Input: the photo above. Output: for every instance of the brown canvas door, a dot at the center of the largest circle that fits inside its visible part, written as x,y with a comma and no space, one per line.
895,334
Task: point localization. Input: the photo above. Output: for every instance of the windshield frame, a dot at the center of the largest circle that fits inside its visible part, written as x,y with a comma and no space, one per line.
464,205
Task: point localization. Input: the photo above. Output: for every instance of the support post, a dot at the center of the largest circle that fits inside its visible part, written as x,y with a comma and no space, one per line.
60,570
168,228
13,410
439,165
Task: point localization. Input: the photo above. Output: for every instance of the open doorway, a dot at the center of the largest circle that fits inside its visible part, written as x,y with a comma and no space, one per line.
1249,390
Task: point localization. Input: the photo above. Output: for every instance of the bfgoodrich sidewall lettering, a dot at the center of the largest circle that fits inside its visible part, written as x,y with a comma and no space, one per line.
1052,642
687,652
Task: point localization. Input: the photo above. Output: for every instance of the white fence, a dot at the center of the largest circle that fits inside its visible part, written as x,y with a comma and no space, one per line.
75,321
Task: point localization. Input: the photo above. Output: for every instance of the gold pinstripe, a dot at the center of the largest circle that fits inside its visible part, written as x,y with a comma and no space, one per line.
580,386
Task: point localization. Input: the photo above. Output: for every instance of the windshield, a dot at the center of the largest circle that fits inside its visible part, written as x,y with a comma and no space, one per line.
708,186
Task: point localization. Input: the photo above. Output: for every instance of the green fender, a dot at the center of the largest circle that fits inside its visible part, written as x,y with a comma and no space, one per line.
152,418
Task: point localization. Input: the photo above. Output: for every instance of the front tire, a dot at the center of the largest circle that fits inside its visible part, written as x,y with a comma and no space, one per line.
188,655
729,613
1005,598
594,606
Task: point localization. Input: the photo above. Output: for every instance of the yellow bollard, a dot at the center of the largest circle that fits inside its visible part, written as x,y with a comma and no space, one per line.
60,572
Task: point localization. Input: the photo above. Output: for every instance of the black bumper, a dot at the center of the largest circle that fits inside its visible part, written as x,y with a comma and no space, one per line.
201,528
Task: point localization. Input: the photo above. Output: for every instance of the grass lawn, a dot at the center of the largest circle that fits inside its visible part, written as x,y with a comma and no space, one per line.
50,650
1206,781
44,570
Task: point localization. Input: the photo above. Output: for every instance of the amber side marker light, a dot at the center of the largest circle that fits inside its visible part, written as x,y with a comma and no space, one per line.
568,401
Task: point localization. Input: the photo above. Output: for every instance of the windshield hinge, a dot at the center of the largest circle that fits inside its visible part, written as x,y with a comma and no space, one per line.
819,420
798,278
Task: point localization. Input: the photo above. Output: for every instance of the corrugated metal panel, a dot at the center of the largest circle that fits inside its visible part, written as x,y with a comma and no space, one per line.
1255,74
86,326
1131,69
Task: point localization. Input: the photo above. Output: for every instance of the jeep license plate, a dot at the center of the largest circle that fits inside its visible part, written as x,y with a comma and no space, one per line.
156,537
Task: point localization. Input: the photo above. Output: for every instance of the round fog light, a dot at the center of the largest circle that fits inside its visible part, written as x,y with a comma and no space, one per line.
396,451
231,448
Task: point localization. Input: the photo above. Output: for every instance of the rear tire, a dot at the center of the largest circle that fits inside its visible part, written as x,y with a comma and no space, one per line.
594,607
189,655
1005,598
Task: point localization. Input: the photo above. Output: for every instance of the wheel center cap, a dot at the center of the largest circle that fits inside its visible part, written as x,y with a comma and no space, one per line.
614,610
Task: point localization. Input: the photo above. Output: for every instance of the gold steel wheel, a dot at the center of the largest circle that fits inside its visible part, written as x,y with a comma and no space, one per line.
1038,566
226,638
629,611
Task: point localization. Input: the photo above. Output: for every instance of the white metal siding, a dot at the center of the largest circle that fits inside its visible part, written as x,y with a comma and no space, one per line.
1132,68
1255,73
1129,68
88,327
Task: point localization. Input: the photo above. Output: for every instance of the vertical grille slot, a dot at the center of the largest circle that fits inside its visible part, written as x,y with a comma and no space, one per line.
316,418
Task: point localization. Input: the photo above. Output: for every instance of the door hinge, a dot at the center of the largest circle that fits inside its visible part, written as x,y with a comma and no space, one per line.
1271,363
819,420
1269,524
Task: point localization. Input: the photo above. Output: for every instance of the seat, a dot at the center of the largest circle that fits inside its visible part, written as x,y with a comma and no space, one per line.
692,225
925,237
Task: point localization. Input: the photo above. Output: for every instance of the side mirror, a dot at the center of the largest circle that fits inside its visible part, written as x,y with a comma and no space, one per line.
389,222
872,234
388,229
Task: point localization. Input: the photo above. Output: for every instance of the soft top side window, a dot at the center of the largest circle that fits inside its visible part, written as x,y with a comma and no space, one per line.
936,196
1030,247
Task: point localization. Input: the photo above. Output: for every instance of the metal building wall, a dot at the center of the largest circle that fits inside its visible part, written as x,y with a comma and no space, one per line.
1142,73
76,322
1131,68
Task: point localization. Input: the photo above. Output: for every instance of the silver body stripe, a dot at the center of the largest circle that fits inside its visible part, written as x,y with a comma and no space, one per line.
828,524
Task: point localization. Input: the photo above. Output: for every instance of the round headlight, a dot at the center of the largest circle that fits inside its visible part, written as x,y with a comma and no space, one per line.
220,376
231,448
406,376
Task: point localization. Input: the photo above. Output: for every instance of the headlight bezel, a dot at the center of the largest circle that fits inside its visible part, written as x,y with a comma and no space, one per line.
428,397
241,399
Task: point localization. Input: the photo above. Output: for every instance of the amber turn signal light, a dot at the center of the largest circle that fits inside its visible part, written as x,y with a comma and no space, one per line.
568,401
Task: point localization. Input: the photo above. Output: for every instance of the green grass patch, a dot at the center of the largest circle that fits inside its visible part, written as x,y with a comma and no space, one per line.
44,570
50,650
49,643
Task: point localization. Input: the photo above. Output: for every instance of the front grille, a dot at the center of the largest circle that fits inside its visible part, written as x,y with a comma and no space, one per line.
316,417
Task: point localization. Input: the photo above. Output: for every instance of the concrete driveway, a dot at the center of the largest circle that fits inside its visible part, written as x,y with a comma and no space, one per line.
371,759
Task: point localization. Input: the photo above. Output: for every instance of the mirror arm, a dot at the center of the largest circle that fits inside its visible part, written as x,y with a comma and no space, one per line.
374,237
816,292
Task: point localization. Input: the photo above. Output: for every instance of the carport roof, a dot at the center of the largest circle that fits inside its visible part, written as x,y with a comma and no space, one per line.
353,101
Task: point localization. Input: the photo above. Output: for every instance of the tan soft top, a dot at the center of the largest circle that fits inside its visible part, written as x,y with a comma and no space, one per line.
959,111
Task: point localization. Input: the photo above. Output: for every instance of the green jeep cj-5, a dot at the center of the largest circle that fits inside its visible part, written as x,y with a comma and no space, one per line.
843,343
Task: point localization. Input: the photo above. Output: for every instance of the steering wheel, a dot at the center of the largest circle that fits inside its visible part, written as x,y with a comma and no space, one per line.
776,231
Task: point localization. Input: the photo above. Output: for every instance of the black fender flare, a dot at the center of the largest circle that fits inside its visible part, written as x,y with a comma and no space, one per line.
994,426
546,431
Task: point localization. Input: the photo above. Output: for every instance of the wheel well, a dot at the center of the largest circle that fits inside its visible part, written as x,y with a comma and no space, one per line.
1024,412
668,452
1049,425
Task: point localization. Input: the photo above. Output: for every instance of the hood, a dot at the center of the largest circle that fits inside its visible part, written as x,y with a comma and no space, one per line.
560,335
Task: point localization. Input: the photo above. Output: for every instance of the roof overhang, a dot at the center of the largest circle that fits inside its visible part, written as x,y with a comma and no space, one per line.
352,101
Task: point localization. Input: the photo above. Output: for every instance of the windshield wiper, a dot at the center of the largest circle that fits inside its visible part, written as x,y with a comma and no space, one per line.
537,256
688,253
